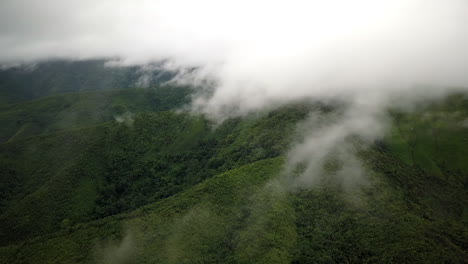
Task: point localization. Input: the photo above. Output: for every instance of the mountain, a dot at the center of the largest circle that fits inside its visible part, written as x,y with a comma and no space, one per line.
122,176
24,83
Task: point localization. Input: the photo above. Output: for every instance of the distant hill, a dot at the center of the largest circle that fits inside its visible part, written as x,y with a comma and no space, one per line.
74,110
53,77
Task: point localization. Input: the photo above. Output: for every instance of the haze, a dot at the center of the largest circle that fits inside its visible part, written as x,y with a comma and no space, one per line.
257,53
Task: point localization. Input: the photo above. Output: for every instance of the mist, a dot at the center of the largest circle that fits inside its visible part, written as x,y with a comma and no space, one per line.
257,52
116,252
258,55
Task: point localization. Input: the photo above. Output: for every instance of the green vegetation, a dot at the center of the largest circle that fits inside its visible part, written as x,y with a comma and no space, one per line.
122,166
434,138
75,110
61,76
117,176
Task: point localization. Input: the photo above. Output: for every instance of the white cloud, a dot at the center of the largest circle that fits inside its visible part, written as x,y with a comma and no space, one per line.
257,50
261,53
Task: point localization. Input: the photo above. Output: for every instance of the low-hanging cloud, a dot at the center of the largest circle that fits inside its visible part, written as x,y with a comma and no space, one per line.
257,53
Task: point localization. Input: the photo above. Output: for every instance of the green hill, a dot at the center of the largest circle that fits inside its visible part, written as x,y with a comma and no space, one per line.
28,82
158,186
75,110
116,167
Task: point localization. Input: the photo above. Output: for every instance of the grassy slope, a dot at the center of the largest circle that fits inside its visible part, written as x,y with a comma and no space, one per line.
208,195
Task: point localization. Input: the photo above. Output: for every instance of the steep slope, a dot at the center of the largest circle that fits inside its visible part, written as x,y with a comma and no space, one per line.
83,174
247,216
171,188
197,225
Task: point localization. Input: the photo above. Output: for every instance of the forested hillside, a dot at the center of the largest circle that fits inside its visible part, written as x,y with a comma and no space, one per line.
26,82
237,132
75,110
119,176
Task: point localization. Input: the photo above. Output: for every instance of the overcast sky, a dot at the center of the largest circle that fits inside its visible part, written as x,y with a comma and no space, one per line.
258,51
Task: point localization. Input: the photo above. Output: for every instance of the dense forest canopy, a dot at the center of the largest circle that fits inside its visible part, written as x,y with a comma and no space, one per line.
108,175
